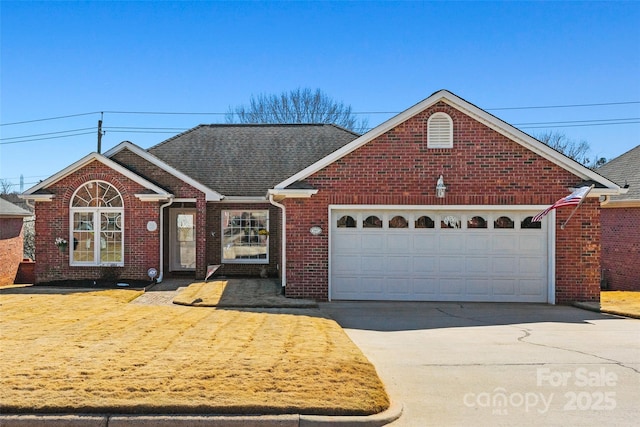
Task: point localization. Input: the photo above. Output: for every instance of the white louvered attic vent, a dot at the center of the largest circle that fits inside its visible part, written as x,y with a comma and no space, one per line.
440,131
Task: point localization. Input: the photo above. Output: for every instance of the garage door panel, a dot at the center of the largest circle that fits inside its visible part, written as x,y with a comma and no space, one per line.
346,287
373,243
504,287
451,242
346,243
501,265
529,287
450,264
374,286
531,265
452,286
477,287
398,243
424,243
478,242
478,265
438,264
425,287
424,264
504,243
399,265
531,243
372,264
399,286
347,264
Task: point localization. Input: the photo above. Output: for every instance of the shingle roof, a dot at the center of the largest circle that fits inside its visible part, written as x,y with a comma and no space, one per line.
249,159
624,169
9,210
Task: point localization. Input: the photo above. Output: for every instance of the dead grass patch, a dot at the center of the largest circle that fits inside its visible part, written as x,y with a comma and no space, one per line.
626,303
92,352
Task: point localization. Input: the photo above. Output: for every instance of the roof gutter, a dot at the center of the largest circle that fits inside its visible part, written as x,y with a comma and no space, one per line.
161,267
283,238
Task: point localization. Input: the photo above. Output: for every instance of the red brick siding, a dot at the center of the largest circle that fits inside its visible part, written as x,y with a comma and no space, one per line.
141,246
11,248
214,248
483,167
179,189
621,248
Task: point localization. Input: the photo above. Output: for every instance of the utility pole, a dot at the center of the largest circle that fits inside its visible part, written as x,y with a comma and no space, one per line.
100,133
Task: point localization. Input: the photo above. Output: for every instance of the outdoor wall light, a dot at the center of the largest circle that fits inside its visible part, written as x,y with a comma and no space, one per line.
315,230
441,189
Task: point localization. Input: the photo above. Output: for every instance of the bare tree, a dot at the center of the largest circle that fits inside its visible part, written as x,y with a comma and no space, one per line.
5,186
580,151
296,106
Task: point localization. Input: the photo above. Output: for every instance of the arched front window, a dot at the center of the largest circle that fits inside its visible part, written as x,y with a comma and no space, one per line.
97,211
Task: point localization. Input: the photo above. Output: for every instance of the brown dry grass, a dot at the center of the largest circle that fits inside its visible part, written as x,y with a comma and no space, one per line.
626,303
93,352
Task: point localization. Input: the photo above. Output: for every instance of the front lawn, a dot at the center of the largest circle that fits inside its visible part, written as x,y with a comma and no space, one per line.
626,303
92,352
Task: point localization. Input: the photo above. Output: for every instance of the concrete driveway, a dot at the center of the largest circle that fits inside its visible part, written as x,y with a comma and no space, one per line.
477,364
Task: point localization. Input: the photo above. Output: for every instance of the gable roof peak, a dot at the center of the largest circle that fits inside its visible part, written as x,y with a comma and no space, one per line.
475,113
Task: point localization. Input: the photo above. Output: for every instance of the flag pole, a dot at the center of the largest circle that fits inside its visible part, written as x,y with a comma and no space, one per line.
577,206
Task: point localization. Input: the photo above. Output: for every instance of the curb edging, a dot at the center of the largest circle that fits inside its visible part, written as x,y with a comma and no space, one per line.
69,420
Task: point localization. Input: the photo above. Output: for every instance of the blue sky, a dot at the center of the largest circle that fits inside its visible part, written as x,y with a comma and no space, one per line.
80,58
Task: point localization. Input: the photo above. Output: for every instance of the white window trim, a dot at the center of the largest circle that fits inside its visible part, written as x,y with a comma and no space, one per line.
97,230
243,260
439,140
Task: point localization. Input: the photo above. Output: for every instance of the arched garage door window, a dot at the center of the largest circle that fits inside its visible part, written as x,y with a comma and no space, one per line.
97,212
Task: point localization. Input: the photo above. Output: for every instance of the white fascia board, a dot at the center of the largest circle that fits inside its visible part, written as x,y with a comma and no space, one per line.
293,193
471,110
210,195
37,197
615,204
527,141
244,199
153,197
85,161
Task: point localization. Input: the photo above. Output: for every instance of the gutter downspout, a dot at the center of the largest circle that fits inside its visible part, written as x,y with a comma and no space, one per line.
161,267
283,238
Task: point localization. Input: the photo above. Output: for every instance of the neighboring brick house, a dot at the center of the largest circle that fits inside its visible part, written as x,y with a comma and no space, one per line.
11,240
333,214
620,218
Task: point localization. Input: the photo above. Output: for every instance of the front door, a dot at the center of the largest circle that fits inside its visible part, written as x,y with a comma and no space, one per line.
182,244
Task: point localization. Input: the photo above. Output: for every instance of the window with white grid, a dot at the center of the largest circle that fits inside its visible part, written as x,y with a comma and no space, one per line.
96,225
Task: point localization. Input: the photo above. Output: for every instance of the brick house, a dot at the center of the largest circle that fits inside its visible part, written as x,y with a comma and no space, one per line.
11,240
620,219
335,215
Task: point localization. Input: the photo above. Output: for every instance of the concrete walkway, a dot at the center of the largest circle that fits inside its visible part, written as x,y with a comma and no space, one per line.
162,293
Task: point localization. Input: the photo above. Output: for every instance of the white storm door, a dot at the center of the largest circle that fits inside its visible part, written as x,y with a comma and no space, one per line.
182,240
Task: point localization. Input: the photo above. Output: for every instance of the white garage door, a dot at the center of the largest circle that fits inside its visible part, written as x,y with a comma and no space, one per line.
438,255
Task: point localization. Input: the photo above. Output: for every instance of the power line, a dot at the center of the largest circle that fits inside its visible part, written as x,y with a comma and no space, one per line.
44,134
602,104
49,118
216,113
41,139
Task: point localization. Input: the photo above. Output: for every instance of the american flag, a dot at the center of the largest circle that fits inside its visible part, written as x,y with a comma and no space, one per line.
572,199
